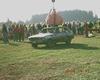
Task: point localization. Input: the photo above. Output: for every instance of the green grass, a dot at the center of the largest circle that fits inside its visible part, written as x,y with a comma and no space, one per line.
79,61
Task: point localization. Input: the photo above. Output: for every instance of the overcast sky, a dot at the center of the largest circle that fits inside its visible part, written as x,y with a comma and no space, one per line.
23,9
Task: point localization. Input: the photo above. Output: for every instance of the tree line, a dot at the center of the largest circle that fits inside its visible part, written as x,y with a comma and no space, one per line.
71,15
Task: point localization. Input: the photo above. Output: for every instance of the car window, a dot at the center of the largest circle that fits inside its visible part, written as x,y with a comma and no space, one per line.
56,29
44,31
66,29
51,30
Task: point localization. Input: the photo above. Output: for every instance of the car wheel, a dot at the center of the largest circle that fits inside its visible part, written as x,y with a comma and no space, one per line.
68,42
50,43
34,45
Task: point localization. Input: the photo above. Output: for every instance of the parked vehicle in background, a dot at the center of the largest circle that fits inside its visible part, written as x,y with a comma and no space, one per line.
52,35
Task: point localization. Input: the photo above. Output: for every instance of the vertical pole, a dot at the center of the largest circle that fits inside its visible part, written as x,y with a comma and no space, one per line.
54,12
54,15
53,5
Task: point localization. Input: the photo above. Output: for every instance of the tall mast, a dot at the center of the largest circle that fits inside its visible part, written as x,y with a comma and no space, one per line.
53,1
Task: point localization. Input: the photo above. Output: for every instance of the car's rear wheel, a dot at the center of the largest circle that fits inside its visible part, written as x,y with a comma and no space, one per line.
51,43
68,42
34,45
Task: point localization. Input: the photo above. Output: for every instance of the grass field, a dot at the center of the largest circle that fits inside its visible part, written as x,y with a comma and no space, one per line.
79,61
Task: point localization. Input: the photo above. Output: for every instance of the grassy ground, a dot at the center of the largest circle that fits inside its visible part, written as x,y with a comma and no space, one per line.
79,61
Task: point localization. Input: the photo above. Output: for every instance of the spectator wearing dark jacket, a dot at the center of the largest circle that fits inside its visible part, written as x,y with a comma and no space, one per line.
13,32
5,34
90,26
16,32
86,29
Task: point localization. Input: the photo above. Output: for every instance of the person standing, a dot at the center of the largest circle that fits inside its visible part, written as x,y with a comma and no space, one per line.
86,29
5,34
22,32
91,26
69,26
74,28
14,32
34,31
25,32
19,32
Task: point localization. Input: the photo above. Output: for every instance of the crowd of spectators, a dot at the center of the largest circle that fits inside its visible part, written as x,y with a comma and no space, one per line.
20,32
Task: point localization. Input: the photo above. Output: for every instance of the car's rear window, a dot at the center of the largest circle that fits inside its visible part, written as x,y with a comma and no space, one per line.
55,29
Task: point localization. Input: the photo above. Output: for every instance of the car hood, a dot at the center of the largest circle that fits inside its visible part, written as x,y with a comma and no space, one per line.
40,35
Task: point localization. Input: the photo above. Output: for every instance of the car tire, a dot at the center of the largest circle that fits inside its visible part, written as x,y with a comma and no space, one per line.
68,42
50,43
34,45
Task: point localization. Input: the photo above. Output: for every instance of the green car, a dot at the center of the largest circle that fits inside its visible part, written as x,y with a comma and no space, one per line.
52,35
